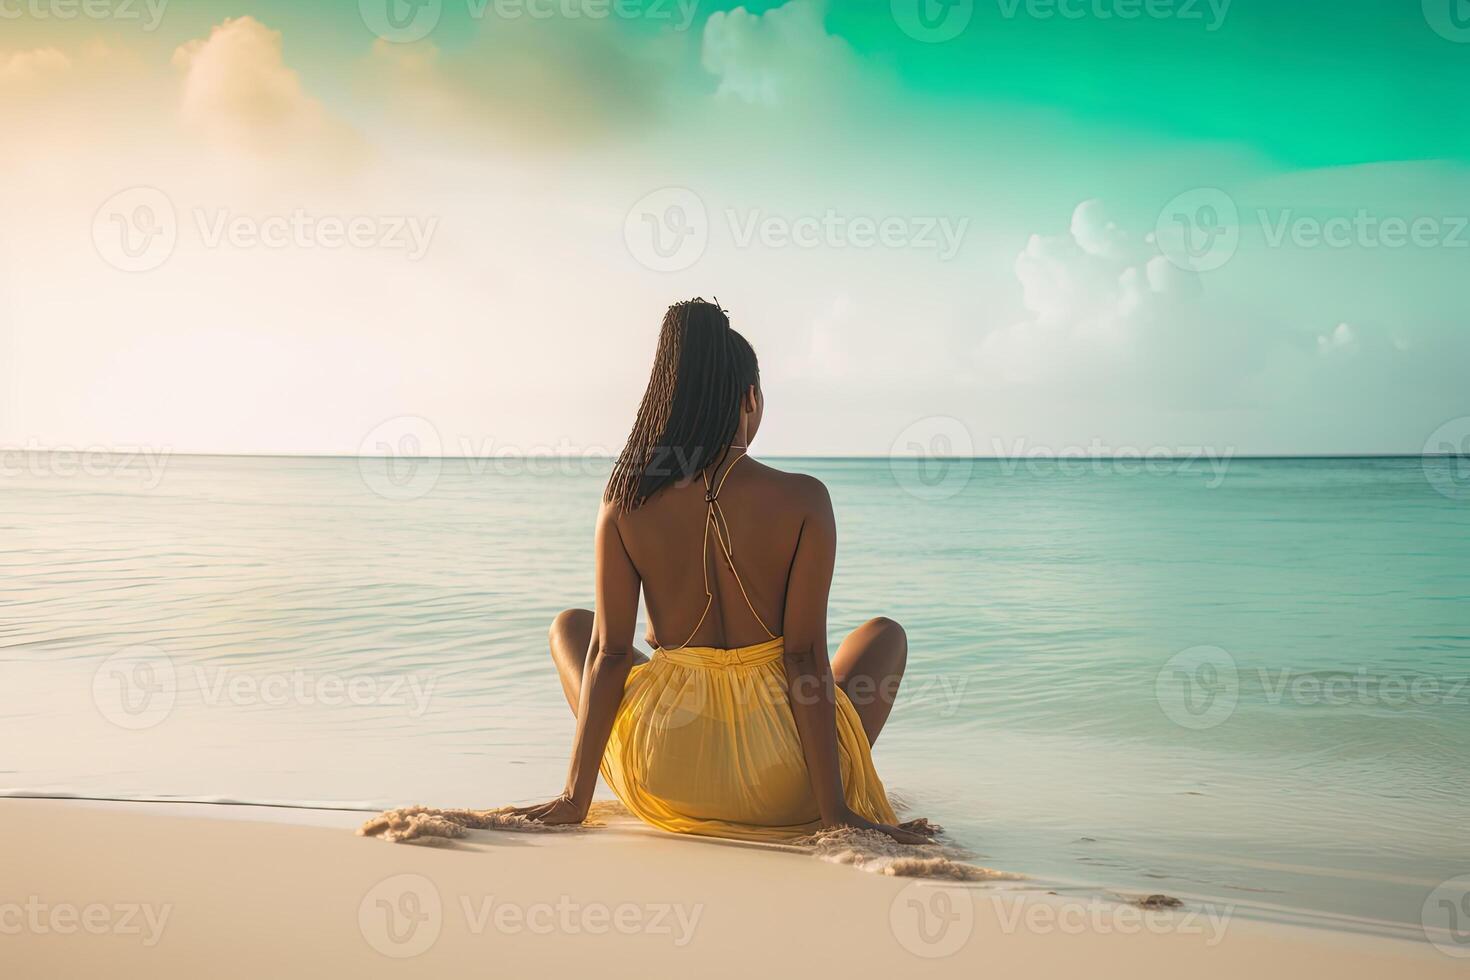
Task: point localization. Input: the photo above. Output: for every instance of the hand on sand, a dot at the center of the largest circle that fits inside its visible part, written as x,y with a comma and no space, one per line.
919,831
559,811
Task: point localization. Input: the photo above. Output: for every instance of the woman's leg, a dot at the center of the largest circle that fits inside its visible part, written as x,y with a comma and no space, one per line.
868,666
570,637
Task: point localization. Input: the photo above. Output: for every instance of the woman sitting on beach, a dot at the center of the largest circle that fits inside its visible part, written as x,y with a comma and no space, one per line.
738,725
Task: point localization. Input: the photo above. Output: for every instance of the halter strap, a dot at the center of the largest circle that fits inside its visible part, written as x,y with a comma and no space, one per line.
714,517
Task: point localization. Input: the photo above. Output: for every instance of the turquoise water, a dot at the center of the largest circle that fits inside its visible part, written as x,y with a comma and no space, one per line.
1248,684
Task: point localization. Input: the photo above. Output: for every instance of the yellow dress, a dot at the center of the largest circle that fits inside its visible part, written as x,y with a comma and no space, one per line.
705,741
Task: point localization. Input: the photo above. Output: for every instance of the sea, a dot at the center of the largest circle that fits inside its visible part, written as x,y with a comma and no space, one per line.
1243,682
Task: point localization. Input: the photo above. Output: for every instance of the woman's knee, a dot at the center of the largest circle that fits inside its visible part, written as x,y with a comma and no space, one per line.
890,632
568,625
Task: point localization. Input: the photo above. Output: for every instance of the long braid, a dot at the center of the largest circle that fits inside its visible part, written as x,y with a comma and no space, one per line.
690,411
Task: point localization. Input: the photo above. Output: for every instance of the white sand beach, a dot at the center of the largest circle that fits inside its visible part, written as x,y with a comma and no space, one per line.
182,890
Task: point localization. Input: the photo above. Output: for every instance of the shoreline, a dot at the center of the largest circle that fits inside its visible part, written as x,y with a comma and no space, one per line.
233,843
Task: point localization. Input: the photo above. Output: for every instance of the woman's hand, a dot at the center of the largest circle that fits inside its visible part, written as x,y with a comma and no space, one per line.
561,810
919,831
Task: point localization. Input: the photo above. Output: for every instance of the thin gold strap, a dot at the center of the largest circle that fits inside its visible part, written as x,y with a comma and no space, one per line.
715,516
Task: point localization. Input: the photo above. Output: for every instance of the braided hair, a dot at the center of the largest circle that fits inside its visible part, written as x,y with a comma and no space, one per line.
690,412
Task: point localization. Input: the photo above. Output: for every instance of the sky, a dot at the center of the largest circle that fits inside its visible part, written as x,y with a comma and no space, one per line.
1009,226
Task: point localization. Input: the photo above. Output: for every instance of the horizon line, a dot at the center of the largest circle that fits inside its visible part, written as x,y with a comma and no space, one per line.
1047,454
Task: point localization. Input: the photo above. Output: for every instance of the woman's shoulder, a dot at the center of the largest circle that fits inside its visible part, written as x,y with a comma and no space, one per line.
799,489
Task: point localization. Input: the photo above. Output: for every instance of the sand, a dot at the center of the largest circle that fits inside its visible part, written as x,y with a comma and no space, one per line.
162,891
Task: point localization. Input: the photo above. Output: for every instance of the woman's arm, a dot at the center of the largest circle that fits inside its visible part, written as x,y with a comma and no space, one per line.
609,658
810,685
808,672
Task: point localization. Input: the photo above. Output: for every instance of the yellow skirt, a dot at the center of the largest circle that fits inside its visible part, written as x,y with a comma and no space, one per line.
705,743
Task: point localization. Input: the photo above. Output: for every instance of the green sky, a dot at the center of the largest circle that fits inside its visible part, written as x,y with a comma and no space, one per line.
1051,138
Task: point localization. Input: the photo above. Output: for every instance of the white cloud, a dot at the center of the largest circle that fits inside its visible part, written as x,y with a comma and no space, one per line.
1094,301
1342,339
777,57
28,66
241,95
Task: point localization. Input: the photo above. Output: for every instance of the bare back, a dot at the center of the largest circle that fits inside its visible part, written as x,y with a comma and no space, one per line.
764,510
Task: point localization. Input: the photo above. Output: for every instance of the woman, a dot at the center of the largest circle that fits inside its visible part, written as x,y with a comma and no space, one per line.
738,726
